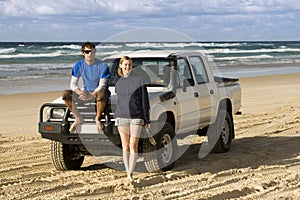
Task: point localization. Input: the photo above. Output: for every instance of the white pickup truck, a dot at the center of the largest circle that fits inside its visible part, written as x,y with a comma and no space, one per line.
185,98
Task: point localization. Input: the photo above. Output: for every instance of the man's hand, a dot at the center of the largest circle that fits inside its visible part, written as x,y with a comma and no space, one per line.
84,96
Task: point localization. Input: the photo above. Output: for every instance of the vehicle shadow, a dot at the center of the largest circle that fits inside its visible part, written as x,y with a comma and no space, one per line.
247,152
251,152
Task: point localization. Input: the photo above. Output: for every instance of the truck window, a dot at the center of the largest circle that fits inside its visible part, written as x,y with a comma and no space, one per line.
184,72
154,68
199,69
151,69
113,67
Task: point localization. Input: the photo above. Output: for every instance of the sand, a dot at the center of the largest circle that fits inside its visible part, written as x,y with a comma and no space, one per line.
263,163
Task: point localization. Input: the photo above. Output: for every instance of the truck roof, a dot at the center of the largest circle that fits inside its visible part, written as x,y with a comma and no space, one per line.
150,54
142,54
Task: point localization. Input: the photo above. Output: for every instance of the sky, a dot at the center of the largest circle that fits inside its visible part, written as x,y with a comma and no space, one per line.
101,20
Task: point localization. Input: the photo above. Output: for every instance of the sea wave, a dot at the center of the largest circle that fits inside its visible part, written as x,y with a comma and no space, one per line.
108,46
236,51
39,55
255,60
109,53
34,59
34,67
213,44
8,50
244,57
15,78
161,45
70,46
182,45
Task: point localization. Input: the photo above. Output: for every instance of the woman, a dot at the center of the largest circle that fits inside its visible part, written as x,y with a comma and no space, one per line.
132,111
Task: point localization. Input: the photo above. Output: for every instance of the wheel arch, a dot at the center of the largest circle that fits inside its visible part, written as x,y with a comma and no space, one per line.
227,105
168,117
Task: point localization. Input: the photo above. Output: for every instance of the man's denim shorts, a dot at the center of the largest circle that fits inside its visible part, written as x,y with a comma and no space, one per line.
126,122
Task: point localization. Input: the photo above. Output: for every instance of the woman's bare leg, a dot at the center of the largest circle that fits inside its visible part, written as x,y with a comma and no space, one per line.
125,138
135,132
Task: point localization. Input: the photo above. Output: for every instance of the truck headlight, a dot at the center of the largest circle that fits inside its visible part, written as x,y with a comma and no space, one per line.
57,113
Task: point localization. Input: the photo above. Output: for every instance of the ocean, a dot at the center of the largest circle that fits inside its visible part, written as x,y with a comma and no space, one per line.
46,66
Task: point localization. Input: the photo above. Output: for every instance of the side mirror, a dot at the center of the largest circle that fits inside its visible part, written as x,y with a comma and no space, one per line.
187,83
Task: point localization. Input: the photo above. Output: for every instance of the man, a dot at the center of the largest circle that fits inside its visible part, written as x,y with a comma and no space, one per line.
94,74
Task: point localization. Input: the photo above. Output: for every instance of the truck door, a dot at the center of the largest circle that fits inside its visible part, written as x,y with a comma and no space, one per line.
202,85
187,98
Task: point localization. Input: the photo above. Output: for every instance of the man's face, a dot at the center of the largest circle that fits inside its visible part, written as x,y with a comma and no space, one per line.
88,53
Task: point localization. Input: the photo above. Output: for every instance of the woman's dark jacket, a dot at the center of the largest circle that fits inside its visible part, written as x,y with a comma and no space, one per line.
133,100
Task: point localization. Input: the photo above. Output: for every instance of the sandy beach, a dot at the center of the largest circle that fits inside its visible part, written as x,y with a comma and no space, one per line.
263,163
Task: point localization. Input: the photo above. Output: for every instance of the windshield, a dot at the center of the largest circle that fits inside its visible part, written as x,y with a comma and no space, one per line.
155,71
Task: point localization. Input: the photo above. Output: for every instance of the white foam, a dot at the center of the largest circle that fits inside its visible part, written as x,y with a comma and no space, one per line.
39,55
280,50
8,50
71,46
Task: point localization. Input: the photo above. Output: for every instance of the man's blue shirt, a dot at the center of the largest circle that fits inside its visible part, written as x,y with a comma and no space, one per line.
91,74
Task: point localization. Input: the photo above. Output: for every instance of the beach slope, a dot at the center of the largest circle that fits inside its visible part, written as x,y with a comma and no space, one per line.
264,161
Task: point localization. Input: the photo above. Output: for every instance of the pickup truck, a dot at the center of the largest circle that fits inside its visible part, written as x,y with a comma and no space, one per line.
185,98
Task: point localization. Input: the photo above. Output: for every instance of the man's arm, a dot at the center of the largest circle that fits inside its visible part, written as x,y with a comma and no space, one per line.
102,84
74,83
75,88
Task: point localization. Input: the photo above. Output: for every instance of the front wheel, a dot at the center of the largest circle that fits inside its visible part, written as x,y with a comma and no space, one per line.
221,133
64,156
162,156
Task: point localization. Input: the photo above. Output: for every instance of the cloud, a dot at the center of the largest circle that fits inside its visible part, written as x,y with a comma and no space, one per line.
101,18
116,6
170,8
75,7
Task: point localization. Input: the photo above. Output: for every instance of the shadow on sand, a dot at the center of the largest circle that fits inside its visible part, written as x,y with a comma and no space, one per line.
245,152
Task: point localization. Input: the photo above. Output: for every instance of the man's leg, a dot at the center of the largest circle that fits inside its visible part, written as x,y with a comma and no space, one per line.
101,99
67,97
100,108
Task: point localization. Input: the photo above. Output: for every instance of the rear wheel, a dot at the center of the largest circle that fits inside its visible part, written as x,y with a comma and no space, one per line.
64,156
162,156
220,134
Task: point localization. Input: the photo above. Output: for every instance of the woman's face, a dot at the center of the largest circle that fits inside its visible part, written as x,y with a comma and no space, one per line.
126,67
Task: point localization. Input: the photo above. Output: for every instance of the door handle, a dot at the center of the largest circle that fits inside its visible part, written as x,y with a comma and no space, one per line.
196,94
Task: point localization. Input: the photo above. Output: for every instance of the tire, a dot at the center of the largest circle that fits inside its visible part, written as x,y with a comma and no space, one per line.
220,134
162,156
63,157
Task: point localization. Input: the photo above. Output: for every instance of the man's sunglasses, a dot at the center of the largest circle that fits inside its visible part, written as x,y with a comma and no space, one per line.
87,51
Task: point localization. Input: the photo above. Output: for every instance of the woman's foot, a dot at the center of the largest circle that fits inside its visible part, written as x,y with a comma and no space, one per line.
130,178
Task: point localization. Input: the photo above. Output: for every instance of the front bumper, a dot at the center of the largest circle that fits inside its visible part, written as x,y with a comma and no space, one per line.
86,134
